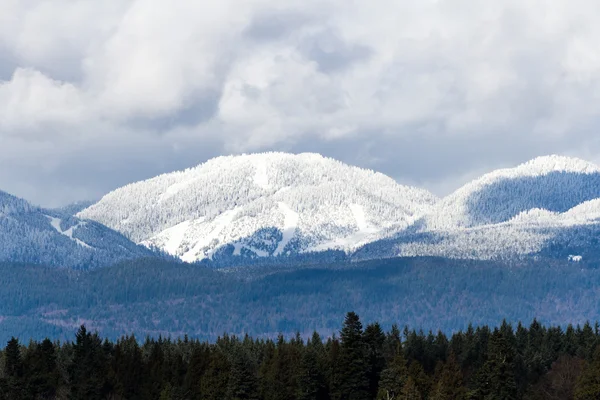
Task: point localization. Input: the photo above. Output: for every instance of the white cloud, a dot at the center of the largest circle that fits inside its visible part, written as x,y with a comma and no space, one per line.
96,86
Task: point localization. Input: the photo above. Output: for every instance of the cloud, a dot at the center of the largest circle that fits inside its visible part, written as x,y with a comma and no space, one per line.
96,94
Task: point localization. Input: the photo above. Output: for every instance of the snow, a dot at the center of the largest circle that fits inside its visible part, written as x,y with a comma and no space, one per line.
290,223
56,222
237,200
175,235
304,195
237,246
260,177
452,213
198,251
359,216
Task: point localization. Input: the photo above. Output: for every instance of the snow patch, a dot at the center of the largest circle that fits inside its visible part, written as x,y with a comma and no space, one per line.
55,222
218,224
260,176
359,215
176,235
290,223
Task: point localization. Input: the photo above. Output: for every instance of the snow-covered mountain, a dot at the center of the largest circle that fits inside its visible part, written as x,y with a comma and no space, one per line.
30,234
267,204
545,205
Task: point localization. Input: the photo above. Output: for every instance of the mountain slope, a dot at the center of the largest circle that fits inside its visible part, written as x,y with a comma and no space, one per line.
261,205
535,208
33,235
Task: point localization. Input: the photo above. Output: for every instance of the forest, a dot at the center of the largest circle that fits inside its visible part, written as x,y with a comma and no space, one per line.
359,362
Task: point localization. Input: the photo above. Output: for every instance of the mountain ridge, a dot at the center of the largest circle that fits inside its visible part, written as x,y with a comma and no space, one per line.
259,205
277,205
32,234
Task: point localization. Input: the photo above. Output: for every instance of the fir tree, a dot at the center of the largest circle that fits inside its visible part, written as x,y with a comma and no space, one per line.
89,368
394,377
14,370
352,366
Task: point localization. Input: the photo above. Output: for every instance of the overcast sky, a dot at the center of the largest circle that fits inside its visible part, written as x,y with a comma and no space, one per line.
96,94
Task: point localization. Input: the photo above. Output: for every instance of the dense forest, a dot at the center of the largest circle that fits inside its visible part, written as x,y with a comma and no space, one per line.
505,362
155,297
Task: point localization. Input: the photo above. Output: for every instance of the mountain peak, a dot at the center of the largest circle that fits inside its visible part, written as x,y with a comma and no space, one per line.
261,204
557,163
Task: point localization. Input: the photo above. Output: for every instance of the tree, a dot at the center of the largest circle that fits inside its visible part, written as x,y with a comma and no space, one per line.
374,341
353,381
89,368
496,379
450,385
214,381
410,391
559,383
41,370
14,369
394,377
242,383
588,384
312,384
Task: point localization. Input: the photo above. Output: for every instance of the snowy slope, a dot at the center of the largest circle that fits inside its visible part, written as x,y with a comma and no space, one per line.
509,213
261,205
30,234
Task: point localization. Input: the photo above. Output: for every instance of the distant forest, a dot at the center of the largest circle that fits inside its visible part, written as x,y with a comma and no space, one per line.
506,362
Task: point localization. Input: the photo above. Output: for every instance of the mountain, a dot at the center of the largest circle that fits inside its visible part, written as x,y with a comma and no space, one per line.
261,205
548,206
30,234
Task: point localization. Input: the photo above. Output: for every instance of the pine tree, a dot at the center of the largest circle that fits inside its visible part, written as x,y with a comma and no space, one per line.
312,384
41,370
14,370
374,340
214,381
89,368
197,367
496,379
352,366
242,383
394,377
128,367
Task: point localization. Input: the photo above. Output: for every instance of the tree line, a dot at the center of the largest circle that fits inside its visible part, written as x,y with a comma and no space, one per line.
483,363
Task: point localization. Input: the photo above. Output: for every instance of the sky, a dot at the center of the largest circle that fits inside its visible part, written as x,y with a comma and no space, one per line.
98,94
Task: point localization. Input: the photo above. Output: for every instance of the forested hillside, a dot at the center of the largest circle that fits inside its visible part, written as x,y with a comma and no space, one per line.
31,234
534,362
155,297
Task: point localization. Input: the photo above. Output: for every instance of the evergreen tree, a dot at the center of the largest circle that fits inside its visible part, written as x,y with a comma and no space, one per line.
450,385
353,369
588,384
496,379
41,370
214,381
127,367
242,382
394,377
89,368
14,370
374,340
196,369
312,383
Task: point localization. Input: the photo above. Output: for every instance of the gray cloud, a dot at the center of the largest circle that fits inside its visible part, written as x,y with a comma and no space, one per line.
97,94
